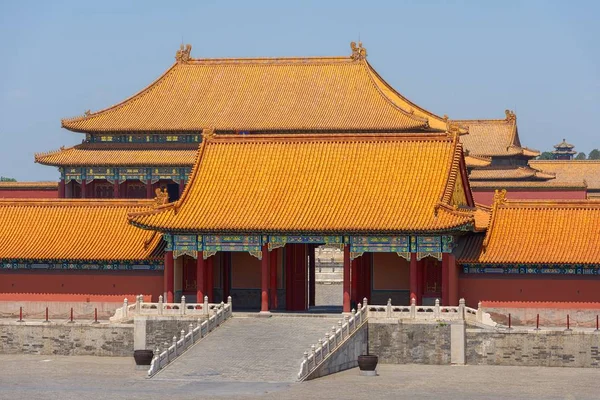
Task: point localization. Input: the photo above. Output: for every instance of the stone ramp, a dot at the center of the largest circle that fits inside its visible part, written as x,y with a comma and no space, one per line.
251,349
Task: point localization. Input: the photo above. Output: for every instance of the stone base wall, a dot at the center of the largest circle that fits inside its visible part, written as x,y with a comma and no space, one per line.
539,349
399,342
160,330
346,356
66,339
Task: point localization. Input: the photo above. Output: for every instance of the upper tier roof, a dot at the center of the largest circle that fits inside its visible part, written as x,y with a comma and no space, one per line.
321,184
70,229
508,173
539,232
261,94
494,137
110,155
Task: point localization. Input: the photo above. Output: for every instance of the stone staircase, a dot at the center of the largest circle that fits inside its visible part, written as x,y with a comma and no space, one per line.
248,348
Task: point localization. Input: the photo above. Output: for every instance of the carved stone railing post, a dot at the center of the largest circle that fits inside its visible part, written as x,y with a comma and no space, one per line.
138,303
327,344
461,309
479,314
125,305
160,305
205,305
347,322
182,307
436,308
413,308
334,336
388,309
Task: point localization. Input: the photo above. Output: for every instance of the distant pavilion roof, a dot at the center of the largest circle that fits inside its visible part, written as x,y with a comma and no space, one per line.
263,95
494,137
74,229
357,183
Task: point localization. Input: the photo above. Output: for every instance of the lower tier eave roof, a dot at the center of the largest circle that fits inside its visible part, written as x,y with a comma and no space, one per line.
462,229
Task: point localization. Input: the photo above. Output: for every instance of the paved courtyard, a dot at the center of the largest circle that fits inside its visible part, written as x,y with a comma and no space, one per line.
82,378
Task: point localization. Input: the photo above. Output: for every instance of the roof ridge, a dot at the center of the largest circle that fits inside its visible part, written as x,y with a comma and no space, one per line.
62,202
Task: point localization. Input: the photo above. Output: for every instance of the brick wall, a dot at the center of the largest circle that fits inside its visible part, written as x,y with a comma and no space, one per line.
543,348
407,343
66,339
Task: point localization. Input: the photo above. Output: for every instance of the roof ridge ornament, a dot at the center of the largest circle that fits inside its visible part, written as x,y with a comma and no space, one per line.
183,54
162,197
499,197
510,115
358,52
208,134
454,129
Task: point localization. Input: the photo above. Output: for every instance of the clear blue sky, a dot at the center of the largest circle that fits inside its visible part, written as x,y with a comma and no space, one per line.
465,59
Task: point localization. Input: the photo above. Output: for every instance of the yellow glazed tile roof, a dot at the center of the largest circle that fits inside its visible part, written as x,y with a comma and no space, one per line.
477,161
260,94
508,173
571,171
28,185
494,137
69,229
549,185
119,156
320,184
542,232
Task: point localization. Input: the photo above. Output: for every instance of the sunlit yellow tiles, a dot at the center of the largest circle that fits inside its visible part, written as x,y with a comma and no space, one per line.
256,95
74,230
75,156
318,183
571,171
543,232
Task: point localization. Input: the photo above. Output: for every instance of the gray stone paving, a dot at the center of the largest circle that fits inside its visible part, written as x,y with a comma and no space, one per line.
250,349
329,293
114,378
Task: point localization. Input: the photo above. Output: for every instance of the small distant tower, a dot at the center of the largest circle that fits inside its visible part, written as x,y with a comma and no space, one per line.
564,151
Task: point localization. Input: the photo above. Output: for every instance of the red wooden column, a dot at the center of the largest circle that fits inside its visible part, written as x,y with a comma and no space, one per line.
149,193
420,282
312,268
289,287
346,278
83,185
116,189
273,283
445,281
200,282
413,276
366,277
226,271
453,296
354,282
264,274
169,280
61,189
209,284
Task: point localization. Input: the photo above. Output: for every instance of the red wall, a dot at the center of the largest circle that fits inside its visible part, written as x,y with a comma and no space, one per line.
29,194
71,285
487,196
528,288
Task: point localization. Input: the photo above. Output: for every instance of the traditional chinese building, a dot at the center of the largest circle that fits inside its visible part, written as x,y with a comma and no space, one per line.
563,151
534,251
76,250
283,155
257,205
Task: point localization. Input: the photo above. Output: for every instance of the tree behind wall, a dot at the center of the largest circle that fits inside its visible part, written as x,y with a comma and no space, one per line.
547,155
594,155
580,156
5,179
